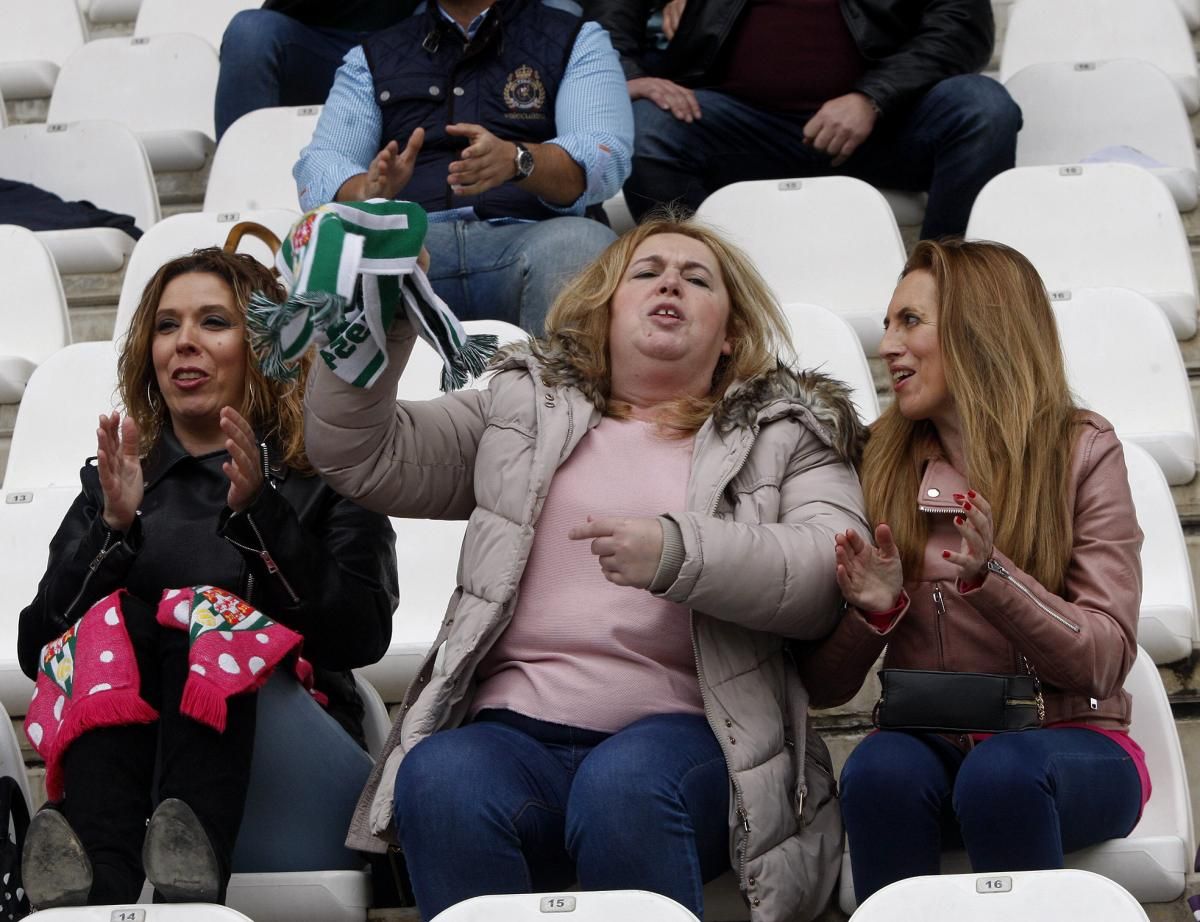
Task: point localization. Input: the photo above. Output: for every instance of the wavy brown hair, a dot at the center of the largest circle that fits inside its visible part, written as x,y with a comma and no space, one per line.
274,408
578,323
1004,368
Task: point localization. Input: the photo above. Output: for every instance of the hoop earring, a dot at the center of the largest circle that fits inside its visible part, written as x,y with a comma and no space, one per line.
153,401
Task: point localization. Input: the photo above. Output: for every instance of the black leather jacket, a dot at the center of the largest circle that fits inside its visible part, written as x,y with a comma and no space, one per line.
909,44
305,556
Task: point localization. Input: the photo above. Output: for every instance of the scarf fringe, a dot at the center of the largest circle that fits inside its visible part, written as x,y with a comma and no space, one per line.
266,321
470,361
108,709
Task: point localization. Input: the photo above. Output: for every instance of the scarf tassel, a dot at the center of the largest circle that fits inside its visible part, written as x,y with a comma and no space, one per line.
470,361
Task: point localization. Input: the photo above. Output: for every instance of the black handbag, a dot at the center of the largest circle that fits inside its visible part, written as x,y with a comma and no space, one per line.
958,702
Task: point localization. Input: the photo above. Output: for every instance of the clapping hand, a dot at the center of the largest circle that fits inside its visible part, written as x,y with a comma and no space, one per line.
244,467
975,526
870,577
392,167
120,470
629,548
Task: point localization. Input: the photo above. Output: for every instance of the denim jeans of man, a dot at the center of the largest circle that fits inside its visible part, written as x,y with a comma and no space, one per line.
1017,801
270,59
950,143
510,271
509,804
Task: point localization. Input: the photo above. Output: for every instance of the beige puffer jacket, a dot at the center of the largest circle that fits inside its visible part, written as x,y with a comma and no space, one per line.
772,481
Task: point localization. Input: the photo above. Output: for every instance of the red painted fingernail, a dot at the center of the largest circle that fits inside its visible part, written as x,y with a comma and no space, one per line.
958,496
967,506
958,520
946,554
971,493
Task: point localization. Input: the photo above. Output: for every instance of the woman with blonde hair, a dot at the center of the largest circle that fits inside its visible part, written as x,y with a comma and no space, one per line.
652,497
1005,543
204,482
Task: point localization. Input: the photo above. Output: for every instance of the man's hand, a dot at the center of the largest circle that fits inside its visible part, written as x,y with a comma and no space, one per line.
840,126
672,13
666,94
629,549
392,168
486,162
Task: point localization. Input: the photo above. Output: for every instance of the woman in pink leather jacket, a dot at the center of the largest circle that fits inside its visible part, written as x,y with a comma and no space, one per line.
1005,535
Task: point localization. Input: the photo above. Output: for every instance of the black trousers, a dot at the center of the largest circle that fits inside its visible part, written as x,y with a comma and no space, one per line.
110,773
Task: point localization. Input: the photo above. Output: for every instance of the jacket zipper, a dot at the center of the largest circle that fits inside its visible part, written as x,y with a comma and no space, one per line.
262,552
738,798
939,605
105,548
998,568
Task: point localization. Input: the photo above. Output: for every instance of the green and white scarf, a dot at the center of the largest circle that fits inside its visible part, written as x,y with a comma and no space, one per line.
348,268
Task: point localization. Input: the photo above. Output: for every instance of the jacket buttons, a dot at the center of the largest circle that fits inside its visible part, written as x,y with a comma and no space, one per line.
385,96
458,91
728,722
754,902
732,741
751,881
934,492
434,91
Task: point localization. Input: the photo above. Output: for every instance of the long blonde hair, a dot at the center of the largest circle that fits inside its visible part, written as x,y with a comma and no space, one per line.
274,408
1004,368
578,322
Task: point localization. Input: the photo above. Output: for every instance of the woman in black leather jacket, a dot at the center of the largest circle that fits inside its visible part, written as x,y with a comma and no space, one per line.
205,481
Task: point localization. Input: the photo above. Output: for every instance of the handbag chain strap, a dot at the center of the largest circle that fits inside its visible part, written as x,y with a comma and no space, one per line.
1037,688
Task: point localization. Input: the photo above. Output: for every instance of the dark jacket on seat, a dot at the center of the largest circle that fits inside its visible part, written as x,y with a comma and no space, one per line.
909,45
306,557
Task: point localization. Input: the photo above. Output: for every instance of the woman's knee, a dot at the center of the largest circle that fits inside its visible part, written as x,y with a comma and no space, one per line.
891,768
998,776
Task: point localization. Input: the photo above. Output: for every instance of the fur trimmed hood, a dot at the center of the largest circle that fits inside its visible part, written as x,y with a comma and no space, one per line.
823,402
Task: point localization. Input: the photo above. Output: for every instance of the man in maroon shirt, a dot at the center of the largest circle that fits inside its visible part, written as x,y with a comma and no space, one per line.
883,90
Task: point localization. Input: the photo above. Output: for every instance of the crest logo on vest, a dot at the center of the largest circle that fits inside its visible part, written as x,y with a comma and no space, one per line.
524,94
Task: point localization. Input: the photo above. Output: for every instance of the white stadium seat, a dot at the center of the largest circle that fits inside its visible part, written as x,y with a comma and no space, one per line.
3,113
831,241
1122,363
587,906
825,342
207,19
1031,896
33,309
1191,12
1094,225
1152,863
142,912
12,762
434,543
38,35
1071,111
1167,627
98,161
178,235
28,520
1100,30
162,87
252,167
908,207
112,11
619,218
55,429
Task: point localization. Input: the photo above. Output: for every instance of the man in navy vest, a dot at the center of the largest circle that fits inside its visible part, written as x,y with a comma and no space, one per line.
506,121
881,90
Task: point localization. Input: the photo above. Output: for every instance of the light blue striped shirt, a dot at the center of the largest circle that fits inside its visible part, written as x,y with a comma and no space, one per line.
592,115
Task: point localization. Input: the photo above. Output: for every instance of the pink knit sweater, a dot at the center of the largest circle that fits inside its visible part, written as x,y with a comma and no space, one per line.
579,650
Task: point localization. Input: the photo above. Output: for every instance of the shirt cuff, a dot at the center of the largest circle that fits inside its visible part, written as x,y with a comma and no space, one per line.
882,621
671,561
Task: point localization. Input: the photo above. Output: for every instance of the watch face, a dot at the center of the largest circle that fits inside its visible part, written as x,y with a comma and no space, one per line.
524,162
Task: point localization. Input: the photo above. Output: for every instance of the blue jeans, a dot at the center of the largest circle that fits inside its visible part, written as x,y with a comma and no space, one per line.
951,142
269,59
510,272
1017,801
509,804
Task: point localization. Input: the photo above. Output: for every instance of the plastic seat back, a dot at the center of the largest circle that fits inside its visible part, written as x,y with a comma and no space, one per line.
162,87
206,19
825,342
586,906
55,429
33,309
1102,330
1071,111
38,36
1091,226
1101,30
831,241
252,167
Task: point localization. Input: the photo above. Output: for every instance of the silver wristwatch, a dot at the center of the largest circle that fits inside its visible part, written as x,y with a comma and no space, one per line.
524,162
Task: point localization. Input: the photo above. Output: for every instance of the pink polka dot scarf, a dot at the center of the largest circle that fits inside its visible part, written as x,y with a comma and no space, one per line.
89,676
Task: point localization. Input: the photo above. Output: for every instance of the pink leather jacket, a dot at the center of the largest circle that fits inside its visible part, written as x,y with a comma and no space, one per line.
1081,644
